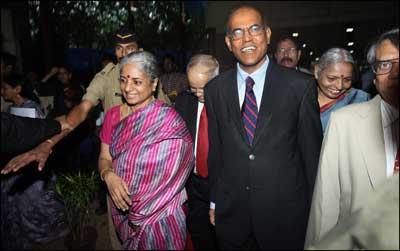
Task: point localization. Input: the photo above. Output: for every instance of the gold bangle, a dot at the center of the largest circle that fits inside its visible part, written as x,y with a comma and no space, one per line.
104,171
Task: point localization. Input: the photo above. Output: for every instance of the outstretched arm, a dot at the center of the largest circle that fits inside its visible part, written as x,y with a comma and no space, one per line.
20,134
41,152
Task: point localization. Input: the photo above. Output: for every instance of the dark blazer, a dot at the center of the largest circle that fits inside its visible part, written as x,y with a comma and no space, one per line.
20,134
186,106
264,189
198,189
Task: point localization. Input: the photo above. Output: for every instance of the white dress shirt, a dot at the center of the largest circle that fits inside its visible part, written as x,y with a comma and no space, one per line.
200,106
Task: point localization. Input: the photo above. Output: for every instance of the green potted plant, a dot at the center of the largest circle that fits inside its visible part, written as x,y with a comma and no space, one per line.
77,191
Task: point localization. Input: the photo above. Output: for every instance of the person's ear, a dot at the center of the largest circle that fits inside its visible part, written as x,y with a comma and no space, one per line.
228,42
316,70
18,89
268,34
155,82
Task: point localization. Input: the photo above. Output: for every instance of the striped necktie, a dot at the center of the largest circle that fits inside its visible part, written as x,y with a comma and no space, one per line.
249,111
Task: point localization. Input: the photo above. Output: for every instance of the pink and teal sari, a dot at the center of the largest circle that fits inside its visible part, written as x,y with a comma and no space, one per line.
152,152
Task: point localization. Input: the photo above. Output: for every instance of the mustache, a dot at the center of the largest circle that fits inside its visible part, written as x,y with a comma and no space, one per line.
286,59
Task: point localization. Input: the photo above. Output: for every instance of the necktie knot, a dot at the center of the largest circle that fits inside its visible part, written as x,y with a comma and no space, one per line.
249,82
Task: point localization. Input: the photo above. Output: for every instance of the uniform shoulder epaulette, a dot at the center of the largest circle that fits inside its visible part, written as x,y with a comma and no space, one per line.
108,68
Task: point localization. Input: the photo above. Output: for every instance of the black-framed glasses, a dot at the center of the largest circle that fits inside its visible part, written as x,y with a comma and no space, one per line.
384,66
253,30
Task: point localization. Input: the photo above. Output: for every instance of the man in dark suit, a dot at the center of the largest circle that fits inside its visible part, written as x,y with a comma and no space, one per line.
190,105
265,136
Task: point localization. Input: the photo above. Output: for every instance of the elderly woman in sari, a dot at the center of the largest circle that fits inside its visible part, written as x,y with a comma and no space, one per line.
334,74
146,157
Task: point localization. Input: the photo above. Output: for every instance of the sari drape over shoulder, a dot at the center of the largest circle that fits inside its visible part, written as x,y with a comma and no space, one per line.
351,97
152,152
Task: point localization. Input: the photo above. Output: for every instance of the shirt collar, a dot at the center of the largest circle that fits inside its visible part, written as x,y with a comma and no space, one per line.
259,73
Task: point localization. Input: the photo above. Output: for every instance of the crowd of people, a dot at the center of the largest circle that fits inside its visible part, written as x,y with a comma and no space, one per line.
267,155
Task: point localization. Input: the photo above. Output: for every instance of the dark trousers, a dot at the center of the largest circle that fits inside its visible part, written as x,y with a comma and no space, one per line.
201,231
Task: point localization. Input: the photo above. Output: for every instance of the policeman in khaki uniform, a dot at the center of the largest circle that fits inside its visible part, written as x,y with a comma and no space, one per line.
105,85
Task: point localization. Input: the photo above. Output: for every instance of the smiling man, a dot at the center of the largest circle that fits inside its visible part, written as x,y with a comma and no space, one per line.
264,142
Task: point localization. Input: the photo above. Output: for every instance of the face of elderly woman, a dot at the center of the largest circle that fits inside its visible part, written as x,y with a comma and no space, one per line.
335,80
136,86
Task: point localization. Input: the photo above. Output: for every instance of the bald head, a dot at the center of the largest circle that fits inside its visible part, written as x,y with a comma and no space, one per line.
241,8
200,70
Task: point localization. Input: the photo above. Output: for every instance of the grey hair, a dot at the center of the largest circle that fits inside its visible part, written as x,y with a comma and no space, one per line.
209,62
334,56
392,36
145,61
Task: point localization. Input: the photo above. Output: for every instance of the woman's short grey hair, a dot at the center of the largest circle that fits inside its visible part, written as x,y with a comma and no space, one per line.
392,36
334,56
209,62
145,61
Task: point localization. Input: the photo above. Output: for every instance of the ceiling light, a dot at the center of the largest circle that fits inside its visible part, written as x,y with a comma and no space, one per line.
349,29
351,51
304,45
295,34
316,59
350,43
311,53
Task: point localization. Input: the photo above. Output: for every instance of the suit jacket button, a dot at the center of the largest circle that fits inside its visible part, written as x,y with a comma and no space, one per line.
252,157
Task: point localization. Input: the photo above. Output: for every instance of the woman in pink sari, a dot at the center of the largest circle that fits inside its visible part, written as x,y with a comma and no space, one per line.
146,157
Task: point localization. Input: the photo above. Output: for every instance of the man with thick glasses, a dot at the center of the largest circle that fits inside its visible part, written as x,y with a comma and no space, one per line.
264,142
360,149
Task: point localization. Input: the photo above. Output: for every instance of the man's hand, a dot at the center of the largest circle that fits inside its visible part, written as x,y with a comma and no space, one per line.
39,154
211,213
118,190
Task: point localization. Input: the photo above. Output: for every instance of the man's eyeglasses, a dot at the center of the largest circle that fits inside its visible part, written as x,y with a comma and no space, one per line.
195,90
384,66
288,50
253,30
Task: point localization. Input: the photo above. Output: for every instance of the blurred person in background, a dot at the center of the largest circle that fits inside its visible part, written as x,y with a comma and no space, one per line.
334,73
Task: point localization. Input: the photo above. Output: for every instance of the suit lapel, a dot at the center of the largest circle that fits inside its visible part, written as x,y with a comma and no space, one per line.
268,100
372,144
192,109
233,103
